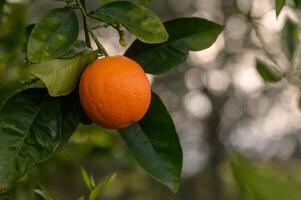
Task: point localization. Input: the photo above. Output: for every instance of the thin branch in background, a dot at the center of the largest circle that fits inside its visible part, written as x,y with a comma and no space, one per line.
267,53
261,39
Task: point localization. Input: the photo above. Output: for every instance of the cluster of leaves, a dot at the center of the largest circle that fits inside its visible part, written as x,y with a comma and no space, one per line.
290,40
261,183
12,20
95,191
40,109
280,3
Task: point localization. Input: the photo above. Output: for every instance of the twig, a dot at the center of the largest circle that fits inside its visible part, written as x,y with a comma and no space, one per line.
87,37
101,49
275,66
99,26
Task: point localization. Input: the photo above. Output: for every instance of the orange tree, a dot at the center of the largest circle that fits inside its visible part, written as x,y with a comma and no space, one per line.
40,109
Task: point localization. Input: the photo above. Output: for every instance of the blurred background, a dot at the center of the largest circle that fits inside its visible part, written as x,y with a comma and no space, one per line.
219,103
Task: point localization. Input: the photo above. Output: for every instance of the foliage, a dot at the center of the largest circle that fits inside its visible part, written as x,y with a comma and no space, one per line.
35,121
267,73
12,21
140,21
289,38
290,41
53,72
53,35
159,154
260,183
184,34
95,191
40,110
279,5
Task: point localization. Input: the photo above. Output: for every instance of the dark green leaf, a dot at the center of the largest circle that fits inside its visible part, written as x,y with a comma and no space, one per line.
61,75
196,33
30,129
72,115
13,21
79,47
261,183
32,126
142,22
267,73
184,34
290,38
53,35
155,145
279,5
156,59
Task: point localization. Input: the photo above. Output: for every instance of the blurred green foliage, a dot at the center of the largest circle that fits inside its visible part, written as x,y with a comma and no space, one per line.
262,183
12,23
103,153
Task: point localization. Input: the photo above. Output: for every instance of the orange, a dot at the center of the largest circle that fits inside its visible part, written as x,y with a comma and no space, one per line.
114,92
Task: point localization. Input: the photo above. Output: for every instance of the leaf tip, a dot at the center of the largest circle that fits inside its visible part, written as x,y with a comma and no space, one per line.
175,187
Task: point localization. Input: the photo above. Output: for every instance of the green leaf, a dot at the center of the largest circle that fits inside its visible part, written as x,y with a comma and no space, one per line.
30,131
42,195
155,145
279,5
61,75
13,20
32,126
22,191
196,33
261,183
82,198
290,38
156,59
78,48
101,188
140,21
86,178
184,34
267,73
53,35
72,115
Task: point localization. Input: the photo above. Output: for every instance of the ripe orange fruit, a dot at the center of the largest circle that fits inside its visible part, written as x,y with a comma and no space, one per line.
114,92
